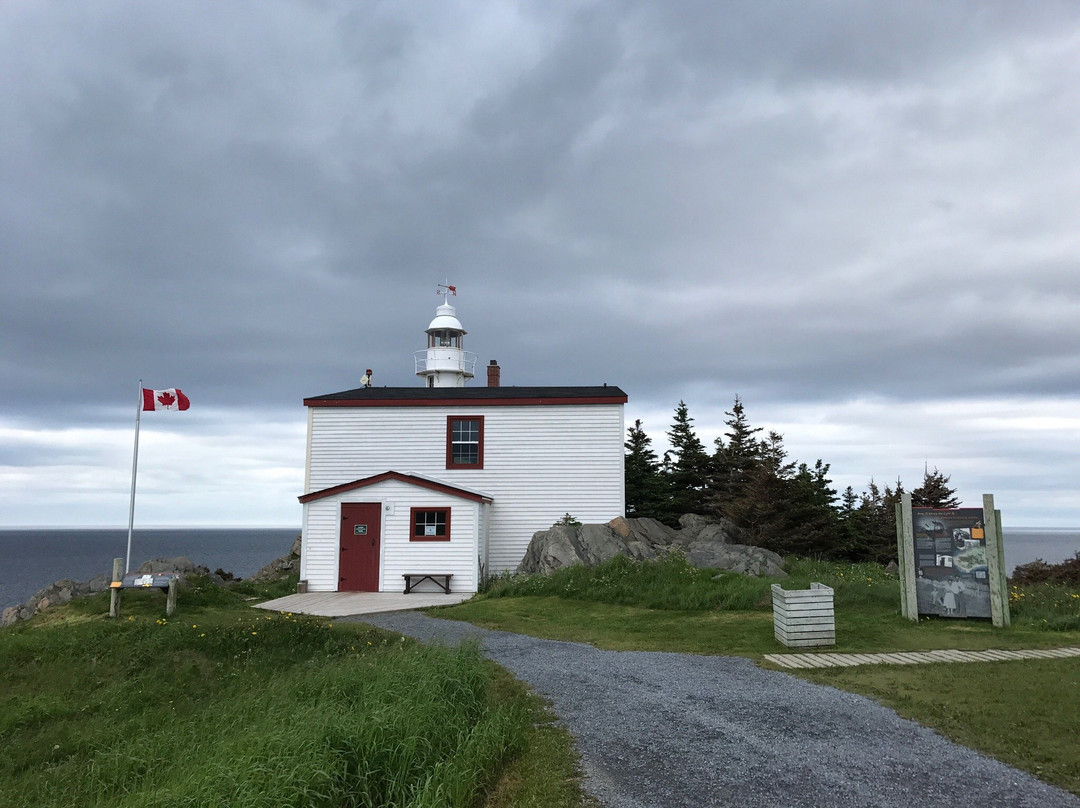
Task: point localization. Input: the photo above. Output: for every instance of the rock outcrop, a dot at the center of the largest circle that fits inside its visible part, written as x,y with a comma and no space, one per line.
288,564
704,542
62,591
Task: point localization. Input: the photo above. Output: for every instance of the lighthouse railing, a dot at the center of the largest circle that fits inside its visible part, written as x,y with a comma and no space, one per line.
450,359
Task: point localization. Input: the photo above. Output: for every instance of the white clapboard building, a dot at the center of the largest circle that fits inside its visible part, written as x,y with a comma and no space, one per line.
446,480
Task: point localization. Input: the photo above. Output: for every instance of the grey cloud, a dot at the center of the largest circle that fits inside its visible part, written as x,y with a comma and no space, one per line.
797,203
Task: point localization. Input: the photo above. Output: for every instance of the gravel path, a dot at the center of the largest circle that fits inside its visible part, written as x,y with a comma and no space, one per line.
666,730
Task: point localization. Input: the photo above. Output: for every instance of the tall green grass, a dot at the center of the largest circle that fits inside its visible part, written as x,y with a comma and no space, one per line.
668,583
225,706
675,584
672,583
1046,606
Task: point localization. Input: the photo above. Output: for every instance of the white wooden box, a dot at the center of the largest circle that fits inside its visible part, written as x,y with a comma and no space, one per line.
804,617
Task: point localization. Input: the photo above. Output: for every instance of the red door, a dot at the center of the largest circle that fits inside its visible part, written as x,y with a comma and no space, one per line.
358,559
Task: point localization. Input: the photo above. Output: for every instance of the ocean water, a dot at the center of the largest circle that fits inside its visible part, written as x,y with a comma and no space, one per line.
1052,544
33,558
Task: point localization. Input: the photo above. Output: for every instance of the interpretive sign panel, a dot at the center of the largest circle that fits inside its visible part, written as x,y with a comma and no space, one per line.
950,560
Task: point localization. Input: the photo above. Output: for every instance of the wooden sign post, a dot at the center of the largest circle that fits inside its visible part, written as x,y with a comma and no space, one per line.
995,562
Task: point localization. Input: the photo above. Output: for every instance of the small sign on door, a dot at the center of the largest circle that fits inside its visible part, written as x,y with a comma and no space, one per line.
359,530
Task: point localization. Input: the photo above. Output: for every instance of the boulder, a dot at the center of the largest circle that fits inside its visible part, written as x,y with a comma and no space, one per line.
742,558
650,532
180,564
282,567
705,542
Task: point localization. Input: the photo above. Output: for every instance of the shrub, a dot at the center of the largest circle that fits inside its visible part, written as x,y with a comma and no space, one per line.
1039,572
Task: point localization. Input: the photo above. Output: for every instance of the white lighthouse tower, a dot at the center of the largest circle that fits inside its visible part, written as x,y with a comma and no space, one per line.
445,363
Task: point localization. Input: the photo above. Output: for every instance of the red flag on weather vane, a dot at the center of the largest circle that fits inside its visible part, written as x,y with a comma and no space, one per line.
171,399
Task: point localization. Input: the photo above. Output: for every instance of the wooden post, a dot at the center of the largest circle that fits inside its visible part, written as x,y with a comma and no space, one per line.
905,548
995,563
170,599
114,592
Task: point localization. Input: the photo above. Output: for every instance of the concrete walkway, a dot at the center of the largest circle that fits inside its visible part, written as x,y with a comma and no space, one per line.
912,658
339,604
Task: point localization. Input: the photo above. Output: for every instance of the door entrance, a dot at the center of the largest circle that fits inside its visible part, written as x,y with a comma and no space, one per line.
358,556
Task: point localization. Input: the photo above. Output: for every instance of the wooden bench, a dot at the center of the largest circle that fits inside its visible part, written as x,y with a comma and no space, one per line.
414,578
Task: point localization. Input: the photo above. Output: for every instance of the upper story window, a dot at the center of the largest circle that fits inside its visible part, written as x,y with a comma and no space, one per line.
465,442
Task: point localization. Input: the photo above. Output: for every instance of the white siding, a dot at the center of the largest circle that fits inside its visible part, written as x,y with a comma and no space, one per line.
399,555
540,462
319,546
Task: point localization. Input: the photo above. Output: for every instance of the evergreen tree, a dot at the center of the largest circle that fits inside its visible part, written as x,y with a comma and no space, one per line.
869,531
849,528
645,486
686,467
761,507
814,525
849,501
934,492
733,461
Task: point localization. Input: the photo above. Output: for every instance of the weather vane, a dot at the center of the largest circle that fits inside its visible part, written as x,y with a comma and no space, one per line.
445,289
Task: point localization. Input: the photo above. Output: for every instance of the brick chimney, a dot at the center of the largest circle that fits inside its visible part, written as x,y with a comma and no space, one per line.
493,373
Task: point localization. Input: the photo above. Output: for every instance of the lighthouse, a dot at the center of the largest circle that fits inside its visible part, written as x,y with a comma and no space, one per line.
445,363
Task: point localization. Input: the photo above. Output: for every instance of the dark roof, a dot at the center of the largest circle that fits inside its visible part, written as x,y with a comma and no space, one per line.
412,479
441,396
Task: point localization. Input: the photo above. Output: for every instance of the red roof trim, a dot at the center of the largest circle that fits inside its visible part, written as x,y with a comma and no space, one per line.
419,482
461,402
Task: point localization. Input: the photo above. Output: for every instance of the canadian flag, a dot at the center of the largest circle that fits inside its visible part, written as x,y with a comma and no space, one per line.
171,399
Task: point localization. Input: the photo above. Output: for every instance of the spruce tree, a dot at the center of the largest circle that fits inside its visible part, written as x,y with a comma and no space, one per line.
815,524
645,486
870,530
686,467
761,506
733,461
934,492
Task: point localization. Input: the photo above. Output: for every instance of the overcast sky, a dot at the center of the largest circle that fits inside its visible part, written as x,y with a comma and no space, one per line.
861,218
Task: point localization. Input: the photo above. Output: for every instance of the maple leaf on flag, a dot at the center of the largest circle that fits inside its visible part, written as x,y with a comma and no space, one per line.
171,398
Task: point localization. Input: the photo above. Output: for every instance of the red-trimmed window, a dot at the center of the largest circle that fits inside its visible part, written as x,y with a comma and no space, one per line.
464,441
429,524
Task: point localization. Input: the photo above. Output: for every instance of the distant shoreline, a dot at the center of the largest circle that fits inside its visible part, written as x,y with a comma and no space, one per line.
33,558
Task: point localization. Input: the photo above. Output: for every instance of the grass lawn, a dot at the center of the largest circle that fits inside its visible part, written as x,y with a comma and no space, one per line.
1025,713
226,705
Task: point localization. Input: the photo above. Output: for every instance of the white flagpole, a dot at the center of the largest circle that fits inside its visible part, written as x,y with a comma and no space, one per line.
134,468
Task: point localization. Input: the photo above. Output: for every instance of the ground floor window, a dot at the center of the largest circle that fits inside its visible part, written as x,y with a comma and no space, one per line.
430,524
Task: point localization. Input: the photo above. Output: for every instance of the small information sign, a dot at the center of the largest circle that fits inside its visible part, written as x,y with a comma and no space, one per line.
160,580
